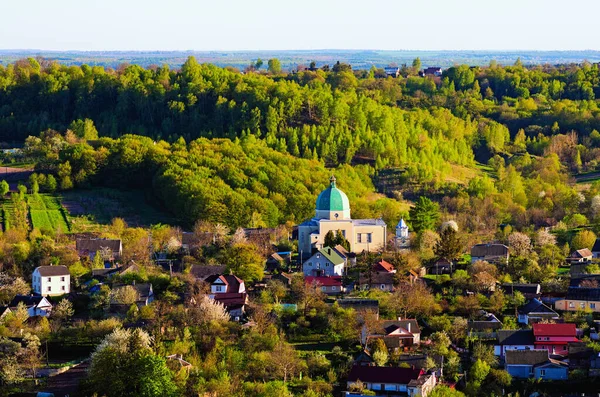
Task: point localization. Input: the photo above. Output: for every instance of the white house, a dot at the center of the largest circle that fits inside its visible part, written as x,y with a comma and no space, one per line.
36,305
51,280
326,261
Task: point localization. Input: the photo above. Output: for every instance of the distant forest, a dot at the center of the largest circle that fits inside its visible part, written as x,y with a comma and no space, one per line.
494,144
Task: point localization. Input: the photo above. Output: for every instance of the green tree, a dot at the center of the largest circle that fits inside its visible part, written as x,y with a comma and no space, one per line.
244,261
449,245
444,391
424,215
583,239
84,129
125,365
4,188
416,65
274,66
330,240
50,184
258,64
64,175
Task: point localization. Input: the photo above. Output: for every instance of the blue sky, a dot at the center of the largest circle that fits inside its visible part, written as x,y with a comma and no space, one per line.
304,24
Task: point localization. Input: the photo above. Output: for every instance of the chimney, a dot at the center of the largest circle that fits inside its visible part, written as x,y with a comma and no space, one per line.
133,281
329,251
408,326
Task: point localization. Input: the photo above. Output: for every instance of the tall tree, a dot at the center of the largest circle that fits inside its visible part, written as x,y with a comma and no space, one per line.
424,215
274,65
449,245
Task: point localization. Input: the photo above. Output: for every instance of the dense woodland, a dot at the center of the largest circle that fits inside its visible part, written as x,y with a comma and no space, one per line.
478,154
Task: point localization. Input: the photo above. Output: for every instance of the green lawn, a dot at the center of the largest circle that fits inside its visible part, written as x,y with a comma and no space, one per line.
46,213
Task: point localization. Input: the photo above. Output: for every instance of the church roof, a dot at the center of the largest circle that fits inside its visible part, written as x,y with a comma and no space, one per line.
332,199
401,224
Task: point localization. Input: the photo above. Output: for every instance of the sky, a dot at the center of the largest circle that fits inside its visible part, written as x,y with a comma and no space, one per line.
229,25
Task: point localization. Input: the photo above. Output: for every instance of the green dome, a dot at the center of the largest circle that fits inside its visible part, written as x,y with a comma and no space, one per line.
332,199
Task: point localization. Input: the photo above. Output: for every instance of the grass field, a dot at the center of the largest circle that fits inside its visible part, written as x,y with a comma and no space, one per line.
46,213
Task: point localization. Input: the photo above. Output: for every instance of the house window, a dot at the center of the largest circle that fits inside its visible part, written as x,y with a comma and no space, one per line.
63,287
49,289
49,279
592,305
318,256
358,238
219,288
542,372
582,305
344,233
323,289
310,264
571,305
327,264
62,279
369,237
333,288
382,286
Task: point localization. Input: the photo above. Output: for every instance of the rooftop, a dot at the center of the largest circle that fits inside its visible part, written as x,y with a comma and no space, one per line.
384,374
526,357
566,329
50,271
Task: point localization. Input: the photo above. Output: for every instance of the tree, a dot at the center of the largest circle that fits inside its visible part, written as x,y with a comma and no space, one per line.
61,313
4,188
125,365
416,65
244,261
10,372
50,184
211,310
449,245
444,391
276,289
84,129
424,215
380,357
413,300
520,243
64,175
329,239
258,64
274,66
583,239
31,356
341,240
125,295
544,237
284,361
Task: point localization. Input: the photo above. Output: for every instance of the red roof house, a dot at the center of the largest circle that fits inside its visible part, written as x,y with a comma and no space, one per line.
392,380
331,285
382,266
554,337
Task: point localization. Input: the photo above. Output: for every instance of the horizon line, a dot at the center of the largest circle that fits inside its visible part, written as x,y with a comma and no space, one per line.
297,50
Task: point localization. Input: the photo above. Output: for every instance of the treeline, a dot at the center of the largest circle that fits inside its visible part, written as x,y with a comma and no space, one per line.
242,183
324,115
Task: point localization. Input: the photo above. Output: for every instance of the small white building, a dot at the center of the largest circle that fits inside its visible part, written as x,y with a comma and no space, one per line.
326,261
35,305
51,280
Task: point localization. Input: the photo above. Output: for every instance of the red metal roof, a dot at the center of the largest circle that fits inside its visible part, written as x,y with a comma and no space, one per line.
383,266
324,281
567,329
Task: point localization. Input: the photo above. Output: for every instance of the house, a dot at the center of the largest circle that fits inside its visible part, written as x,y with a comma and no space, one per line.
513,339
188,241
364,358
285,278
36,305
392,71
382,266
492,253
145,294
278,261
51,280
580,355
580,298
484,322
109,249
529,291
202,272
4,311
441,266
524,364
325,262
554,337
230,291
432,71
580,256
392,381
331,285
577,270
398,334
381,281
596,249
535,311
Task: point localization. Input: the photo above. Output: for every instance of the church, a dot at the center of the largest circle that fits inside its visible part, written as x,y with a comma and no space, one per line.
333,213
